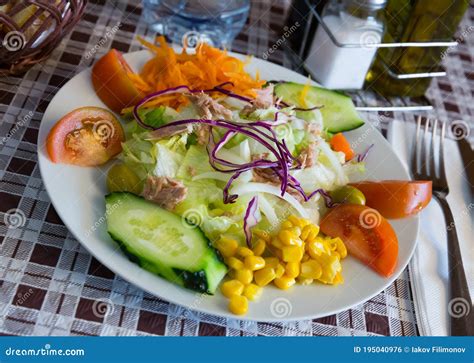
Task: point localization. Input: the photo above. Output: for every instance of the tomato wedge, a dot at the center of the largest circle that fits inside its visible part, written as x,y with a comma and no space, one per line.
367,235
396,198
112,83
87,136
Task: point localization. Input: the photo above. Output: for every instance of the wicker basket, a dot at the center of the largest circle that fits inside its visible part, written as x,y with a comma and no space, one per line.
31,29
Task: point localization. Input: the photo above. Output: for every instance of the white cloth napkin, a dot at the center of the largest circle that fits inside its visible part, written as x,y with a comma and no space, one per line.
429,266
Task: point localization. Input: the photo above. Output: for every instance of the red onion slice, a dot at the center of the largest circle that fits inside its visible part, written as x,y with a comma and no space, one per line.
251,219
361,157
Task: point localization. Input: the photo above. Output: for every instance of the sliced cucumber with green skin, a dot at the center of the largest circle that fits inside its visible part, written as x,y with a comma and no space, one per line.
163,243
339,113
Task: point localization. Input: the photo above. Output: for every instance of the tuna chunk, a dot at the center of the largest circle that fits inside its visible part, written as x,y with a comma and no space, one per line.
307,157
164,191
209,108
263,100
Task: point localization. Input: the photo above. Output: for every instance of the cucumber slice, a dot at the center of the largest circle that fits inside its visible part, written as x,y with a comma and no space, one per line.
163,243
339,113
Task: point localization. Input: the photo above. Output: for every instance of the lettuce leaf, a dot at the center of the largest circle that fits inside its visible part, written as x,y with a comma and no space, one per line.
195,162
155,117
159,158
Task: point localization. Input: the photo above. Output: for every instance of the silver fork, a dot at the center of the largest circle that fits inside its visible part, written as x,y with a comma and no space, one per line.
425,167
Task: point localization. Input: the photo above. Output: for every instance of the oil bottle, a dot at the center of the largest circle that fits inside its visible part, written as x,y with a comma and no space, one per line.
407,21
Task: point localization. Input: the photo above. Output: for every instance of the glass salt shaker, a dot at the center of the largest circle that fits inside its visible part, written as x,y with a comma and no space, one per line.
351,22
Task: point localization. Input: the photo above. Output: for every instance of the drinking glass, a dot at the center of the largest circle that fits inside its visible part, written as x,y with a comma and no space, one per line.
215,21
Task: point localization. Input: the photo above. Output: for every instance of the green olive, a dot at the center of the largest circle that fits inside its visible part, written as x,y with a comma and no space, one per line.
348,194
122,179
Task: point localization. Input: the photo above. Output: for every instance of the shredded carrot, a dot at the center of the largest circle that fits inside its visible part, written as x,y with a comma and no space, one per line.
205,69
339,143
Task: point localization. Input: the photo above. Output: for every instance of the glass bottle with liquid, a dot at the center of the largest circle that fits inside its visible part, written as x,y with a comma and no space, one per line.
407,21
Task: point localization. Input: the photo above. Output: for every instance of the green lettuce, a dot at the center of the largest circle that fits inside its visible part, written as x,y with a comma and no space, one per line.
159,158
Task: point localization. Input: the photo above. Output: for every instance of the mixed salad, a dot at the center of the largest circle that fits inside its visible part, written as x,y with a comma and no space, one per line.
223,179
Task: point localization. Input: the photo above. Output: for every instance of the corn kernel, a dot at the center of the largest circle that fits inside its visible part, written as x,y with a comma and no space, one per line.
292,269
244,275
309,232
315,248
304,280
296,221
340,247
252,292
305,232
235,263
305,258
338,279
262,234
277,243
290,237
330,267
279,270
286,224
238,304
259,247
304,222
264,276
292,254
227,246
254,263
271,262
296,231
315,228
244,251
311,269
285,237
232,287
284,282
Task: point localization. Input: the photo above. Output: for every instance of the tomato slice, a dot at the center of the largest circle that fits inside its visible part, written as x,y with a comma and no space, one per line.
396,198
112,83
87,136
367,235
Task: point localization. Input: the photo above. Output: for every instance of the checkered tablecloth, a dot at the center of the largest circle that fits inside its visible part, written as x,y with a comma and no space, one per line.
50,285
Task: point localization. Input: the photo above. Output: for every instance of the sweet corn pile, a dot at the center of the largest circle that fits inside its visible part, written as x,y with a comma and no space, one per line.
297,253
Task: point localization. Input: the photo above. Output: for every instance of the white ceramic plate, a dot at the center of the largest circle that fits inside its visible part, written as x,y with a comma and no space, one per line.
78,196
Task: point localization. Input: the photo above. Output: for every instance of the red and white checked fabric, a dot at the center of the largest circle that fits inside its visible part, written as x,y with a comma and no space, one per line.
50,285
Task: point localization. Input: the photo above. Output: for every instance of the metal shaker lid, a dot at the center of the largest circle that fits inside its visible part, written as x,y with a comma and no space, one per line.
369,4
